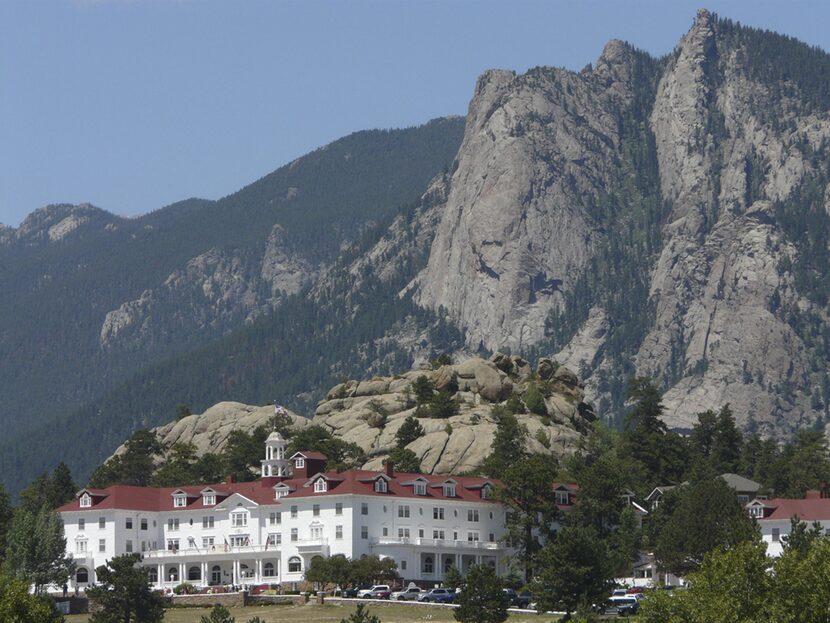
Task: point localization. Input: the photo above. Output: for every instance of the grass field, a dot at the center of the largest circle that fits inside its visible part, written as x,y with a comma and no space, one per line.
321,614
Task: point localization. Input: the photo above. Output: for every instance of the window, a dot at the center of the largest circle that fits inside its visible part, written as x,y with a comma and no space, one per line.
385,531
268,569
129,523
364,509
281,492
82,576
428,565
144,546
486,492
274,538
173,545
472,514
472,537
207,542
403,511
438,534
129,546
294,535
491,537
293,512
381,486
209,499
102,545
562,498
338,532
295,564
240,540
102,523
320,485
239,520
364,532
179,501
421,533
403,533
420,488
449,490
275,519
80,546
776,534
143,524
81,523
315,510
756,511
316,533
438,512
173,574
403,565
208,521
173,524
454,535
194,573
86,501
338,508
153,575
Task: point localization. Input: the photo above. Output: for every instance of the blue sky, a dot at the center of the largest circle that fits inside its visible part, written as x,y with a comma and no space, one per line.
132,105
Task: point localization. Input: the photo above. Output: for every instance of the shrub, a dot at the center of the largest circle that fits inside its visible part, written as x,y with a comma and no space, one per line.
443,405
514,404
185,589
534,400
409,431
219,614
423,389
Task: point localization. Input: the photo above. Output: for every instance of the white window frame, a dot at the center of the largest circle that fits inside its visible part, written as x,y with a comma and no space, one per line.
80,546
338,532
403,532
208,521
85,501
208,541
299,463
364,532
420,488
381,486
280,493
320,485
438,513
473,536
295,535
172,524
239,519
403,511
472,515
209,499
81,523
179,501
562,498
338,508
449,490
438,534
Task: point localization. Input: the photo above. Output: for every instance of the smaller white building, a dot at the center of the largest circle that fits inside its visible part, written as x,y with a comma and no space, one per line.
774,517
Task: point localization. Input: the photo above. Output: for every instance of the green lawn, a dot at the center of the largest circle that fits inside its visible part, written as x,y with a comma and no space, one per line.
320,614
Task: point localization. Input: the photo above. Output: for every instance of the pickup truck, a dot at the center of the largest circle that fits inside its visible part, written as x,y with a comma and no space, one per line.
378,591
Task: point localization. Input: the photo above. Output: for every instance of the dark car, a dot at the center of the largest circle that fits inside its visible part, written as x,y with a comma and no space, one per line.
438,596
352,592
623,606
523,600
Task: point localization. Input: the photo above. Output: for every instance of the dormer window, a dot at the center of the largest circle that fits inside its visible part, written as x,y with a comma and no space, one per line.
449,489
381,486
280,492
562,498
486,492
209,499
86,501
180,501
320,485
756,511
420,488
299,463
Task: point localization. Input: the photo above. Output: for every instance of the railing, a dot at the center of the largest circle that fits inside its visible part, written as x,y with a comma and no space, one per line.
209,551
388,540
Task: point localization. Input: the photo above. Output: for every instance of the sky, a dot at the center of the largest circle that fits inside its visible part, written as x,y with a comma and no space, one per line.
134,104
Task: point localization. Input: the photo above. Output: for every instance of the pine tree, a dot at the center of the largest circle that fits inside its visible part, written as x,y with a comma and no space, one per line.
408,432
508,443
6,514
481,599
124,593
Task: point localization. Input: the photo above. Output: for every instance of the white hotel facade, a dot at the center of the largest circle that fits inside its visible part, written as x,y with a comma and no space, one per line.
269,530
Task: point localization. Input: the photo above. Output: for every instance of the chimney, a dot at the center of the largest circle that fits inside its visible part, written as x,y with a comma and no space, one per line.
823,489
389,468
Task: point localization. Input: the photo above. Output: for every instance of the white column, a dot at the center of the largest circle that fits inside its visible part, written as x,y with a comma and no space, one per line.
182,572
161,574
235,574
258,572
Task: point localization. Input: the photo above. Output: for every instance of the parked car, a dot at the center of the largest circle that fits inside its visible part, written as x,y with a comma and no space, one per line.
354,591
410,593
378,591
623,606
523,600
438,596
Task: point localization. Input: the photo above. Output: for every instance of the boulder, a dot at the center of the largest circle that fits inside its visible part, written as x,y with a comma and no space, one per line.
520,368
489,381
545,368
375,387
446,379
502,362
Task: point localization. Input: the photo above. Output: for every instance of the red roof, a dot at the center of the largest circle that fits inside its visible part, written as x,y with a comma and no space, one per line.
806,510
262,492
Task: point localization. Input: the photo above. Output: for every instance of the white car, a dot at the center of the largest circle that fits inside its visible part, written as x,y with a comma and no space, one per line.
410,593
374,592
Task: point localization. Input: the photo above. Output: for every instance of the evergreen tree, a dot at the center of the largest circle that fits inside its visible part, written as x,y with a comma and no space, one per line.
707,516
135,466
508,443
409,431
6,515
442,405
124,594
36,495
527,492
62,488
574,571
241,455
405,460
482,598
423,388
361,615
727,442
179,468
801,537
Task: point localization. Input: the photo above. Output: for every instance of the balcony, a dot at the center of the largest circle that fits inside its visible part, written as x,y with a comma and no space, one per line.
318,547
215,551
436,543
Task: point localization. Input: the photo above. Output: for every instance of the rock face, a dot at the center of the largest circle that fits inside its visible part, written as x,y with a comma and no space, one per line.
459,443
216,291
209,431
725,318
515,231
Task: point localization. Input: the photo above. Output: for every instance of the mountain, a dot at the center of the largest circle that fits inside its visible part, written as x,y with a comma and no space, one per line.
90,298
665,216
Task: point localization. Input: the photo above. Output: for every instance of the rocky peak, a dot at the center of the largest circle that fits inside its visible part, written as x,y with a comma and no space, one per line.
56,222
370,412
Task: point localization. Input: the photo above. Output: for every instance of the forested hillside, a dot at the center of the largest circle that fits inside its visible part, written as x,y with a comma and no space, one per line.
67,267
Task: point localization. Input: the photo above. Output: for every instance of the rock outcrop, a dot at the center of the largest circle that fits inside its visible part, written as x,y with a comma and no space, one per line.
369,413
